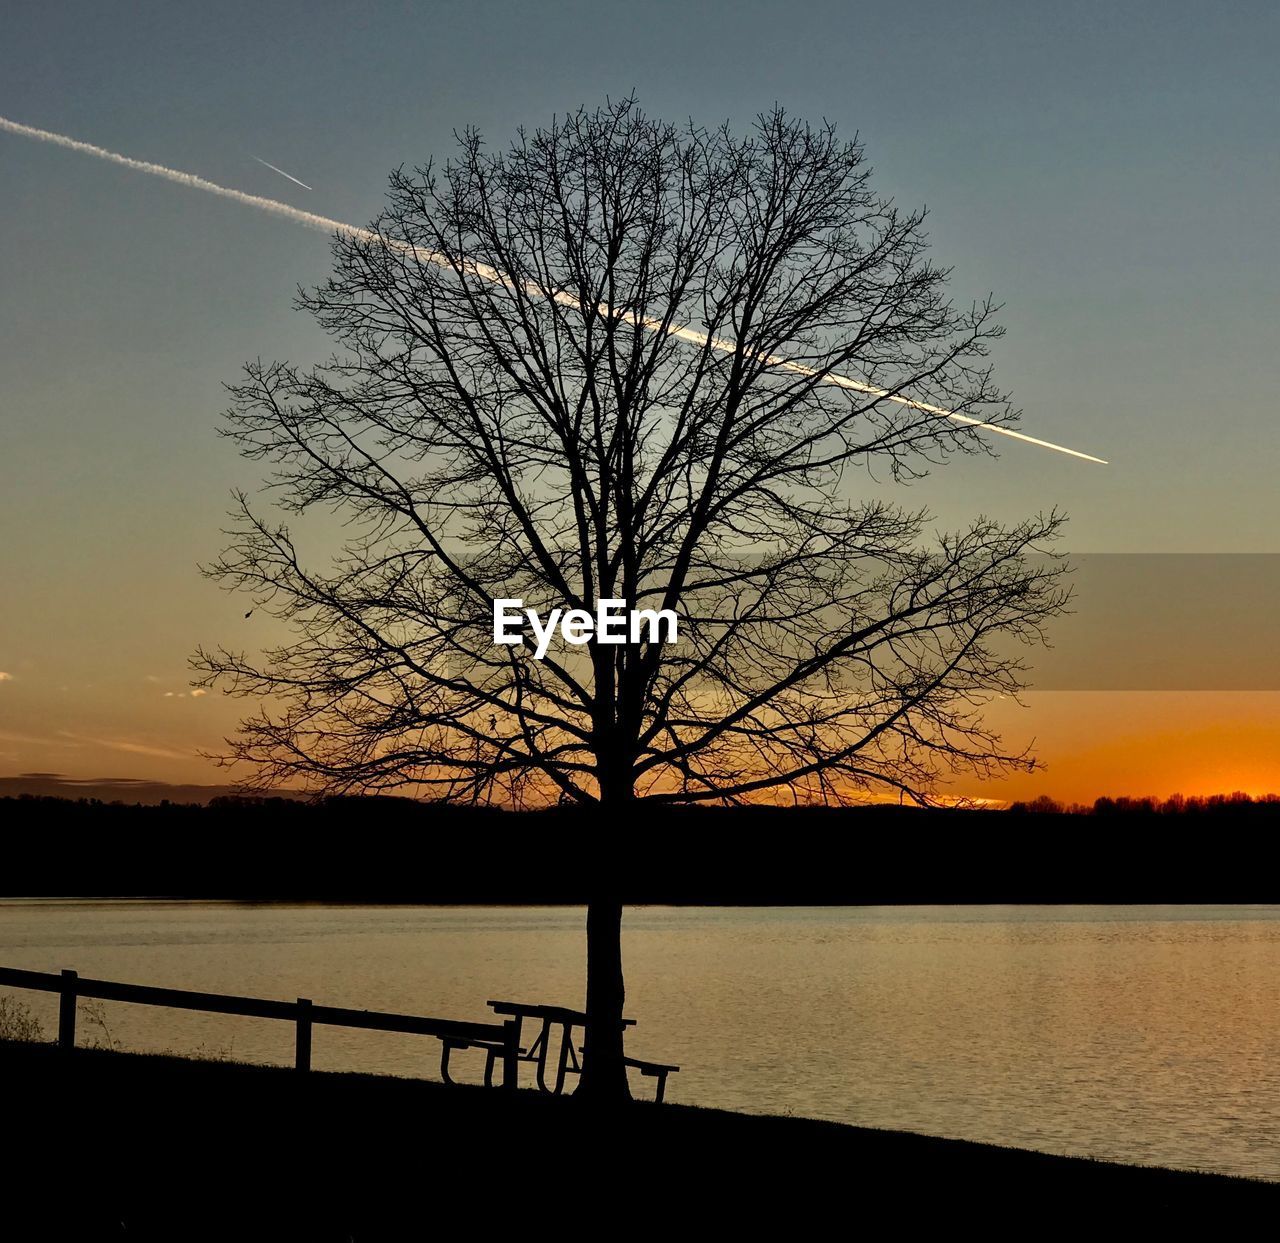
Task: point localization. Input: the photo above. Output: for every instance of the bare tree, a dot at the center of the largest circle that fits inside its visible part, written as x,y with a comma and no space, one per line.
665,365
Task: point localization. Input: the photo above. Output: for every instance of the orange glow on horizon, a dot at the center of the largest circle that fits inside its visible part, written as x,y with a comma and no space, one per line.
1142,743
1091,743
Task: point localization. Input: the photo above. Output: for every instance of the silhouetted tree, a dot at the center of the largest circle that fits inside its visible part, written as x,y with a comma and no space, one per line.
667,365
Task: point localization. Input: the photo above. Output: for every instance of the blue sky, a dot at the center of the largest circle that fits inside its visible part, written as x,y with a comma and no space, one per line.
1108,170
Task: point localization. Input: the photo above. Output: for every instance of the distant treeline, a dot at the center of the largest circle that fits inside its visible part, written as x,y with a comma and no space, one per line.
1238,802
1235,804
399,850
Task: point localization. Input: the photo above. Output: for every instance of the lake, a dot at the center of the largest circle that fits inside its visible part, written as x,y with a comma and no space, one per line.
1145,1034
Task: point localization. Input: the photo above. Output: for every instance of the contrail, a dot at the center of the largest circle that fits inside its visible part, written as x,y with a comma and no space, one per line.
282,173
327,225
276,208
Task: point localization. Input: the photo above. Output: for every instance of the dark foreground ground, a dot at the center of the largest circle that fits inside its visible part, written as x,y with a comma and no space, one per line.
114,1145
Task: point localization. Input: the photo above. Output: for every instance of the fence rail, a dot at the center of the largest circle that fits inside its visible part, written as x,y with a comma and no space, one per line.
501,1038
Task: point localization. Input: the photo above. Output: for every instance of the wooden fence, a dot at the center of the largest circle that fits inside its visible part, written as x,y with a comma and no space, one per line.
502,1039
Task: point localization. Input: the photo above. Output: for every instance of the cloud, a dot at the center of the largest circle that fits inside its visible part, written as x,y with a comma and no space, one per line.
132,748
5,677
7,736
195,694
65,738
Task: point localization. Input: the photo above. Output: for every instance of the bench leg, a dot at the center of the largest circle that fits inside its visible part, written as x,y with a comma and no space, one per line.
661,1089
446,1048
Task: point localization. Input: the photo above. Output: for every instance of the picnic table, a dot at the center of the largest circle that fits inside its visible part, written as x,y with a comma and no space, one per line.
561,1021
556,1021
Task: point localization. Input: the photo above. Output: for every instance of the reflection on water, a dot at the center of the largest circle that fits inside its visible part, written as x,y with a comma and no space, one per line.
1143,1034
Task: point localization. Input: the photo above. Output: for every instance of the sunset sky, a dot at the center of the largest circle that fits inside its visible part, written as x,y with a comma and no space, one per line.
1108,171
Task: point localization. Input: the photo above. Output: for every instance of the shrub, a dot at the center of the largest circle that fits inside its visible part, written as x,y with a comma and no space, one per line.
17,1021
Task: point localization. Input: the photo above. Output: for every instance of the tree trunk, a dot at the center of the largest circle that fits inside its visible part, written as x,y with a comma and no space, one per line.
604,1076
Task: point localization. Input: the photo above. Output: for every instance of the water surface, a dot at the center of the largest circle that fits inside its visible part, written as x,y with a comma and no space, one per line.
1144,1034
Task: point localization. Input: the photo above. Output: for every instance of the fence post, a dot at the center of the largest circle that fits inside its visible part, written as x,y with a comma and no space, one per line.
302,1047
510,1052
67,1011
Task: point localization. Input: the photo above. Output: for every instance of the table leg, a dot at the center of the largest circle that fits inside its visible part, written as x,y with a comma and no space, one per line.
566,1045
542,1043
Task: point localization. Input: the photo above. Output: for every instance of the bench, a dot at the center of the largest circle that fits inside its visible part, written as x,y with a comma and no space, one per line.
651,1070
654,1070
493,1053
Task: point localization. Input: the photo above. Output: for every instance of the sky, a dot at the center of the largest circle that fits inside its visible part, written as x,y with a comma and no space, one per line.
1107,170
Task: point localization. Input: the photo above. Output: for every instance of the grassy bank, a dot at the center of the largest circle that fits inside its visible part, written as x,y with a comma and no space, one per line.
181,1149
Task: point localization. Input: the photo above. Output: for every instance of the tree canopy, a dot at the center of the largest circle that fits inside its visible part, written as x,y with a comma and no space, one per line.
625,359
